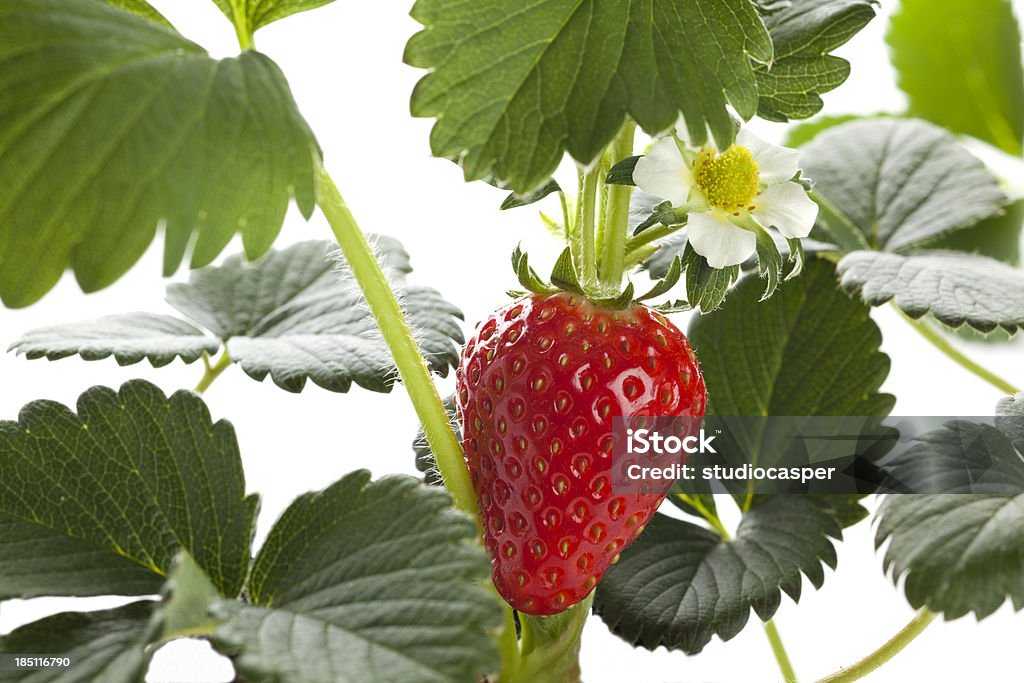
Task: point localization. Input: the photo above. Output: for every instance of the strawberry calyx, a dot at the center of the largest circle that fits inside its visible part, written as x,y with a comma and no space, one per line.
564,278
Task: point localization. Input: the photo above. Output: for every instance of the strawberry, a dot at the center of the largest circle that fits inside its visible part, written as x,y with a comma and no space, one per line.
538,386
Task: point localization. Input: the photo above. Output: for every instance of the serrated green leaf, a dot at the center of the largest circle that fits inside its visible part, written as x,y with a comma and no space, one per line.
108,646
259,13
99,502
960,65
137,127
366,582
804,32
297,314
955,287
1010,419
706,287
769,262
898,183
128,337
679,584
513,90
959,553
141,8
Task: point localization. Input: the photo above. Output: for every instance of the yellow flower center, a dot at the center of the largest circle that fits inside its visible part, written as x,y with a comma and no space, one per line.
730,179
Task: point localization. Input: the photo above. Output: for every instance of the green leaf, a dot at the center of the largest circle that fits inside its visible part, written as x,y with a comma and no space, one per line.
809,350
802,133
514,201
99,502
297,314
960,66
366,582
513,90
141,8
1010,419
997,237
259,13
960,553
137,127
679,584
955,287
108,646
425,461
769,262
896,184
128,337
804,32
706,287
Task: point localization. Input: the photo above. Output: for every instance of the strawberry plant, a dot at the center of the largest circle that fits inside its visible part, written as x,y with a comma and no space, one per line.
700,274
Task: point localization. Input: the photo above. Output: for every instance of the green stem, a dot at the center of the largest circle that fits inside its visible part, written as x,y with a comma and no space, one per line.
508,647
551,646
616,223
883,654
212,372
241,23
696,503
654,233
942,344
586,256
779,650
398,337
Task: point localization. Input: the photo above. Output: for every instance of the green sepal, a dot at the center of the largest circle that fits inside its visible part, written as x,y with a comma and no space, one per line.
796,257
677,306
622,172
663,214
619,301
527,276
563,275
769,261
514,200
666,283
706,287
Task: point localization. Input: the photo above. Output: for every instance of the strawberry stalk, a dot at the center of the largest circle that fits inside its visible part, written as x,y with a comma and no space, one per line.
616,215
398,337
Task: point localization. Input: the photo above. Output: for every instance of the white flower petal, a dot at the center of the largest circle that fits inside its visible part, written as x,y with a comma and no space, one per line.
787,208
719,241
663,172
775,164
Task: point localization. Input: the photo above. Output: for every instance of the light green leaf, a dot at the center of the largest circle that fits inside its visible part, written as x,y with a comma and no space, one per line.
142,8
804,32
679,584
513,90
998,237
99,502
105,647
137,127
369,582
896,184
960,65
800,134
959,553
187,597
128,337
259,13
297,314
955,287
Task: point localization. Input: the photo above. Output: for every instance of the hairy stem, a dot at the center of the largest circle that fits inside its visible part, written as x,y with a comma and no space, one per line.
551,646
883,654
779,650
398,337
212,372
616,219
585,258
943,344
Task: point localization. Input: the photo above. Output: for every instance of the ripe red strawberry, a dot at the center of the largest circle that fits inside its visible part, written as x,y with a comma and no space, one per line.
538,386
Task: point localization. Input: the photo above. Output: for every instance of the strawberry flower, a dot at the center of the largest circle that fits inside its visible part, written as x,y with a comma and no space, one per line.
729,194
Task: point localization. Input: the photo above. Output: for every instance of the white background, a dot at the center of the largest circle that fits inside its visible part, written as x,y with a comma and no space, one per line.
345,67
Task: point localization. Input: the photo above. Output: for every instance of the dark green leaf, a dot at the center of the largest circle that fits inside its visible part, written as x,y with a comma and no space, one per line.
514,201
105,647
259,13
100,502
622,172
425,462
513,90
110,125
960,65
804,32
297,314
187,597
128,337
898,183
960,553
142,8
366,582
679,584
954,287
563,274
